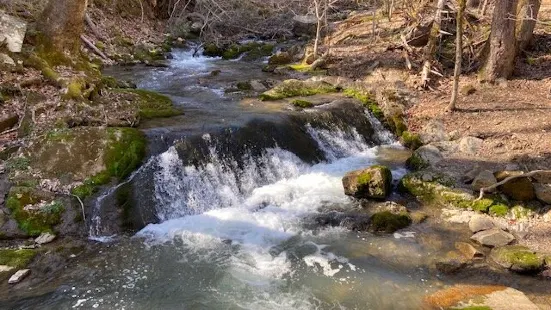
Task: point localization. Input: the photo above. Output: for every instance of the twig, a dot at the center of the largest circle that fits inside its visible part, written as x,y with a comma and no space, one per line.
523,175
93,27
93,47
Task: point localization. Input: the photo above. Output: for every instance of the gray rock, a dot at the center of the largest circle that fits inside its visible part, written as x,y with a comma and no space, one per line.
45,238
6,60
304,25
425,156
258,86
5,268
391,207
470,175
433,131
485,178
450,266
520,189
12,31
19,276
493,237
468,250
470,145
543,177
480,223
543,192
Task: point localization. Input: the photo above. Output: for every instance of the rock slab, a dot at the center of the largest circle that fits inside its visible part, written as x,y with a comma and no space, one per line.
493,238
19,276
480,223
12,31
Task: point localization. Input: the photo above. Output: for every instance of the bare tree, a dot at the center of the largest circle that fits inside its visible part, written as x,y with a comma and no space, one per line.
430,49
528,17
458,54
62,23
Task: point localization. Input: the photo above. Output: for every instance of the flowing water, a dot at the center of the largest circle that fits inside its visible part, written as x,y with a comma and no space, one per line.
230,192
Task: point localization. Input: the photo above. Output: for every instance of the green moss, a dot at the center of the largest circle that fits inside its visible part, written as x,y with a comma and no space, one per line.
280,59
16,258
521,212
499,209
18,163
389,222
152,104
415,162
411,140
364,179
74,90
520,258
482,205
212,50
91,185
244,86
304,104
33,222
296,88
126,151
398,125
367,100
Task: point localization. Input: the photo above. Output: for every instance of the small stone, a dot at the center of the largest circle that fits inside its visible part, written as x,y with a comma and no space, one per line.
493,237
543,192
8,121
45,238
258,86
18,276
470,175
5,268
480,223
484,179
470,145
12,31
6,60
468,251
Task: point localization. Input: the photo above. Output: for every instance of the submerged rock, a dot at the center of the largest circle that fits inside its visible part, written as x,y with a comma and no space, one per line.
373,182
493,238
452,263
19,276
468,250
483,297
517,258
389,222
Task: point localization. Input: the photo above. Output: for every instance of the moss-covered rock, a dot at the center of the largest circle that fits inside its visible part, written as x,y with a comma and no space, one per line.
279,59
35,211
152,104
367,99
374,182
411,140
520,189
303,104
296,88
16,258
517,258
389,222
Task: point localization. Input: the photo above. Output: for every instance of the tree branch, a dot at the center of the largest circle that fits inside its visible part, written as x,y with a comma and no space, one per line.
523,175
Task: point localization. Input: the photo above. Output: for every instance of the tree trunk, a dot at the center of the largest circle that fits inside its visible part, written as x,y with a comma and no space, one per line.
458,54
318,27
62,23
501,57
528,15
430,49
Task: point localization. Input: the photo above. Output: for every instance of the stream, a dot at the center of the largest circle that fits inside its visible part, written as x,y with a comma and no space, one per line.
227,200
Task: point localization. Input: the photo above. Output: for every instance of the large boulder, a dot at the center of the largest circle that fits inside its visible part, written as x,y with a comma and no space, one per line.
374,182
12,31
304,25
389,222
493,237
517,258
520,189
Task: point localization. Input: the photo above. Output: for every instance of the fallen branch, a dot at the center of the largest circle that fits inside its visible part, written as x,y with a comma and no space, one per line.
93,47
320,61
93,27
523,175
82,207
